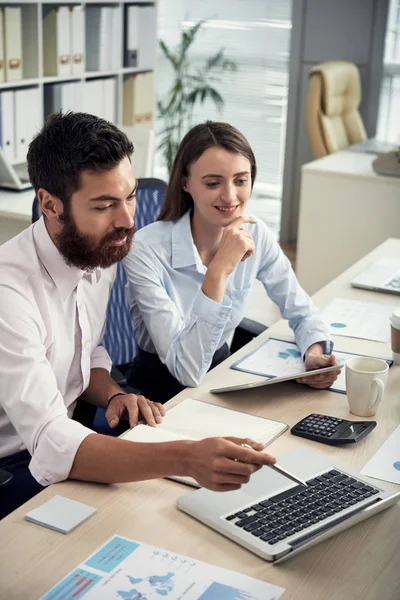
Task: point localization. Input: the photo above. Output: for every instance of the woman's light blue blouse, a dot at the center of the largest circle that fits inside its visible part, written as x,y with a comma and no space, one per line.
175,319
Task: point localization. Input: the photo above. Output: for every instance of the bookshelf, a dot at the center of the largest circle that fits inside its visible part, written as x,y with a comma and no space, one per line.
78,56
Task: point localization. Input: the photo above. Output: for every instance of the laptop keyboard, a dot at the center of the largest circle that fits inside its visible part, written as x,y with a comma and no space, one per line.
278,517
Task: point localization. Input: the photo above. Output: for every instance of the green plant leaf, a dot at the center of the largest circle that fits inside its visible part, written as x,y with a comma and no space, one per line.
191,85
172,58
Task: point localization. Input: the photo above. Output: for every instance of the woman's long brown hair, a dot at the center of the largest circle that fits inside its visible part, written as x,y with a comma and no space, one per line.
201,137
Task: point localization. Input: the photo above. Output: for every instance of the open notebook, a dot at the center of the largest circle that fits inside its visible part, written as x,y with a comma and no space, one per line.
195,420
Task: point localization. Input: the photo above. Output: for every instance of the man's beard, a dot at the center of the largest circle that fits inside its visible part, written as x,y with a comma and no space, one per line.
80,250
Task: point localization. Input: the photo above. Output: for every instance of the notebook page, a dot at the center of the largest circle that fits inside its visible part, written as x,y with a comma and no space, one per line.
198,420
145,433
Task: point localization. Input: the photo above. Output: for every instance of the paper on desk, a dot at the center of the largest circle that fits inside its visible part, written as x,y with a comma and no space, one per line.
364,320
385,464
123,568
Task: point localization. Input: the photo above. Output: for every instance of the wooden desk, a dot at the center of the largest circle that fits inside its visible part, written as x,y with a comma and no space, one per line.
360,563
346,210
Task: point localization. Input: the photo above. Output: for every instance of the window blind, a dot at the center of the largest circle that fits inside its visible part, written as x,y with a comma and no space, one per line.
389,108
256,35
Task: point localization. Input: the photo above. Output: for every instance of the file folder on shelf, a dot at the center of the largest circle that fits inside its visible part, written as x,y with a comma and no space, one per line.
13,43
28,119
7,120
2,65
99,40
147,37
57,42
116,38
109,99
62,97
138,93
77,40
131,36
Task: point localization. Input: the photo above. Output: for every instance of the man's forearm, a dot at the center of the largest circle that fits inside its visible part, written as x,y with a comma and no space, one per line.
105,459
101,388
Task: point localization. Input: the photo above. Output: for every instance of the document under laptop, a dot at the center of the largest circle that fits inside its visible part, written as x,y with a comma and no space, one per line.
277,519
381,276
13,177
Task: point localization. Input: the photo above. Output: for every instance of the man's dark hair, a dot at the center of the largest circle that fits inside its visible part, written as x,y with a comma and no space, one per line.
69,144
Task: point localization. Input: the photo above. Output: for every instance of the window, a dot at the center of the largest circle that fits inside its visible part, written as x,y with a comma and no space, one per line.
389,108
257,38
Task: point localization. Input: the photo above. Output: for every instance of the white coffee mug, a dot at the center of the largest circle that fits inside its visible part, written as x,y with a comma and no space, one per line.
365,384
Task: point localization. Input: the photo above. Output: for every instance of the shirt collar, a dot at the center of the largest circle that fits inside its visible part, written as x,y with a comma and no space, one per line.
65,278
184,251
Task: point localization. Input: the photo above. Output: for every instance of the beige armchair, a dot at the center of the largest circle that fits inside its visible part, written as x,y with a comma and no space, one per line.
332,116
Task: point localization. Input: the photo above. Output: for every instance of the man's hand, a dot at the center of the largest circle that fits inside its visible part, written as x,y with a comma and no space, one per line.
315,359
132,407
222,464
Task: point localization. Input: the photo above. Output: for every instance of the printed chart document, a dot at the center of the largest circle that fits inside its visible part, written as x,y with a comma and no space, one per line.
364,320
385,464
129,570
279,359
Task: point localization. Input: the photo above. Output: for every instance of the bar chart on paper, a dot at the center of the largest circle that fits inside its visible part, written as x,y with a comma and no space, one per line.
74,586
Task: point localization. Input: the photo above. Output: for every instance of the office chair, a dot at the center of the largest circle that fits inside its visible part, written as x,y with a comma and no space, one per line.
119,337
332,116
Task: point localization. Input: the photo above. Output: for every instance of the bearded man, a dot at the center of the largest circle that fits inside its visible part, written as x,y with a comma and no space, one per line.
56,278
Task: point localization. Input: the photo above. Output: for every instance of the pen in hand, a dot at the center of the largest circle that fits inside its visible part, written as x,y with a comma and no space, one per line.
281,470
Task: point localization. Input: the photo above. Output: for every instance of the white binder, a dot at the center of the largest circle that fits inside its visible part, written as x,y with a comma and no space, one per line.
109,99
63,96
2,64
13,43
93,97
147,37
131,51
116,37
98,38
7,124
57,42
27,119
77,40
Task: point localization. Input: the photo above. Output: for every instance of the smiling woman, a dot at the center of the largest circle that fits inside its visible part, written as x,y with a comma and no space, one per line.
190,274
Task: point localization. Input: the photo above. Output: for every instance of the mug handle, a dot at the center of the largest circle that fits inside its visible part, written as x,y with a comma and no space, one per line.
377,384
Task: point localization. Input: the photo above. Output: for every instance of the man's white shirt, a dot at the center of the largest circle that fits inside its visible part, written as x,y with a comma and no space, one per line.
52,319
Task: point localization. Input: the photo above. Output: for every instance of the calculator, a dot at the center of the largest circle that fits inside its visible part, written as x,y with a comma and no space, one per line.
332,430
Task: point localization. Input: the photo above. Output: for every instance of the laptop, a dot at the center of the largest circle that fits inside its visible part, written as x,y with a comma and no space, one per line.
373,146
274,518
13,177
381,276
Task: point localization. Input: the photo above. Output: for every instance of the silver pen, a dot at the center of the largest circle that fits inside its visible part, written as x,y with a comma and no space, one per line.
281,470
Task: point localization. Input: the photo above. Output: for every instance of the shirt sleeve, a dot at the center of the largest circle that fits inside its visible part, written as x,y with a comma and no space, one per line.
277,276
29,394
185,344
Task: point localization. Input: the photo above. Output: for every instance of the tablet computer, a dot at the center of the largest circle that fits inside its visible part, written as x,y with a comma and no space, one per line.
272,380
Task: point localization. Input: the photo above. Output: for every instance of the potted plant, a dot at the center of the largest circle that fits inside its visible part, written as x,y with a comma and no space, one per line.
190,86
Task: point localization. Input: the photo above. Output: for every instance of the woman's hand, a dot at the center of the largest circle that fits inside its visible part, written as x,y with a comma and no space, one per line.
236,245
316,359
